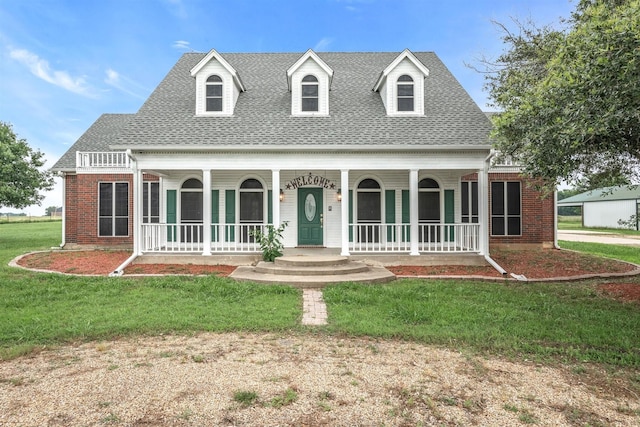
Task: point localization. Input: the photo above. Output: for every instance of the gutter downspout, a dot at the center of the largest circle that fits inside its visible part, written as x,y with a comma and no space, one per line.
120,270
64,210
487,257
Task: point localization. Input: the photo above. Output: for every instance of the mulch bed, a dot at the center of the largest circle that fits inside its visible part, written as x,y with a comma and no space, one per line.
532,264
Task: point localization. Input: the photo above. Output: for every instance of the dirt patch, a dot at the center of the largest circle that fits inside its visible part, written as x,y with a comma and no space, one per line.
220,270
624,291
76,262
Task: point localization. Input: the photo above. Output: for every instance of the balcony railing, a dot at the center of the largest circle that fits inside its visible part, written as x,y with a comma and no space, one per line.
100,160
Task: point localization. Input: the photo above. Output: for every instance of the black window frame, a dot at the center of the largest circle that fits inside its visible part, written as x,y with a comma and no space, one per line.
506,208
113,209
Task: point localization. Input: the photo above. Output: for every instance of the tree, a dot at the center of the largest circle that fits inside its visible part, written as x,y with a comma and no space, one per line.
570,98
50,210
21,176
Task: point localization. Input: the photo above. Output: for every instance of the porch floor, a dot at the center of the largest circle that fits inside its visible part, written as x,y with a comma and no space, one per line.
374,259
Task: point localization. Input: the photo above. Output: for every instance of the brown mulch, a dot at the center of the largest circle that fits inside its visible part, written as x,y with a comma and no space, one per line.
532,264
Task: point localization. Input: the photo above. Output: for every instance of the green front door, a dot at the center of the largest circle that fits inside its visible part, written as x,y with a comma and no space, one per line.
310,216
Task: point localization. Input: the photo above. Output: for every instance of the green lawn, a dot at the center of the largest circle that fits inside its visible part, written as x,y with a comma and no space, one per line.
575,223
568,321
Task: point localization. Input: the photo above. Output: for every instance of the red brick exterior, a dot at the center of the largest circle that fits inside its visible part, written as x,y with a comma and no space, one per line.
81,204
538,223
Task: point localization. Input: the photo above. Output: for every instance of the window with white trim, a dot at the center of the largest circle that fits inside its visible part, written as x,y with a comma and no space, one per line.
405,93
214,94
506,212
151,202
310,93
113,209
469,190
369,211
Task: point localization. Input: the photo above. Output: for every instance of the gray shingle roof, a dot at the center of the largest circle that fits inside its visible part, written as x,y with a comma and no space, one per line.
262,116
102,134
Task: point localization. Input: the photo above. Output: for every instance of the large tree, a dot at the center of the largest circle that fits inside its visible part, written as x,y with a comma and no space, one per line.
21,175
569,98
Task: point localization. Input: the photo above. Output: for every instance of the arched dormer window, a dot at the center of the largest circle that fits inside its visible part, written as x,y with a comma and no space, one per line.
310,93
405,93
214,93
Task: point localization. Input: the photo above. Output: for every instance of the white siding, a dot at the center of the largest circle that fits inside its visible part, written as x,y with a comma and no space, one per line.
607,214
230,90
389,90
310,67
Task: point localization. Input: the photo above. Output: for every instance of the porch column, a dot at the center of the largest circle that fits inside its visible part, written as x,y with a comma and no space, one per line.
206,212
344,211
137,210
483,208
413,211
275,196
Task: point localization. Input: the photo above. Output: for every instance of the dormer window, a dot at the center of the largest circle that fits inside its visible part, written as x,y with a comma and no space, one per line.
309,93
214,93
405,93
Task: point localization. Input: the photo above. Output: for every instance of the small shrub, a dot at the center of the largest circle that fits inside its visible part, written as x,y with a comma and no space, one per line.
270,242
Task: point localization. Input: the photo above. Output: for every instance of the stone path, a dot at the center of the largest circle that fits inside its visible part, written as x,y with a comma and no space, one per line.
314,310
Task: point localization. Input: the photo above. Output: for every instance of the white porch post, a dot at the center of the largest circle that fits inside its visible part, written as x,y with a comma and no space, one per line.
483,208
344,211
137,210
275,196
206,212
413,211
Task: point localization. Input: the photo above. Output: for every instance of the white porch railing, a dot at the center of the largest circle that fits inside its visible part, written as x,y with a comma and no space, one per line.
432,238
89,160
189,237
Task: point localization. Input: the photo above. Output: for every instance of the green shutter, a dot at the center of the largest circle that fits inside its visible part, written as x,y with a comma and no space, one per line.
449,216
270,207
390,213
171,214
350,215
406,216
215,214
230,214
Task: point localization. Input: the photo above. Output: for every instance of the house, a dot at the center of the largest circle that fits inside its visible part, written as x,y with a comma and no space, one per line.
607,207
361,152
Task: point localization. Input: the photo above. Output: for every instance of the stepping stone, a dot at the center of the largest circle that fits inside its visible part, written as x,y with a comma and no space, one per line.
314,310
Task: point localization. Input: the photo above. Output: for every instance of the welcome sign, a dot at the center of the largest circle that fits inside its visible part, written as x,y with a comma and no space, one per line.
310,180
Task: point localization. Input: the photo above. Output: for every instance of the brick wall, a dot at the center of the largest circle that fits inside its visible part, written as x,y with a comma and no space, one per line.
537,213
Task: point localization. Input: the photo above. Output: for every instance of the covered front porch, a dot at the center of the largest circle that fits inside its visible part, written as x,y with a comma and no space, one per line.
357,203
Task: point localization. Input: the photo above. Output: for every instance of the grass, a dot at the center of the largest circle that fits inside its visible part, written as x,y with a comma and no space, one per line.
568,322
575,223
619,252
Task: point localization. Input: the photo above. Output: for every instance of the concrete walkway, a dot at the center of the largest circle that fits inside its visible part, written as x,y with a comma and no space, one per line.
314,310
598,237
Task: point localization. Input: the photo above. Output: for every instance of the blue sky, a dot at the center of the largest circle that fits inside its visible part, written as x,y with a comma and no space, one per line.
63,63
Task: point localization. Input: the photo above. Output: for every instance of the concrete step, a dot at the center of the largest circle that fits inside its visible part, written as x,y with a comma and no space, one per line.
372,275
310,269
311,260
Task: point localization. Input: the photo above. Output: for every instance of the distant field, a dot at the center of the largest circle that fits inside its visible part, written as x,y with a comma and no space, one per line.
6,219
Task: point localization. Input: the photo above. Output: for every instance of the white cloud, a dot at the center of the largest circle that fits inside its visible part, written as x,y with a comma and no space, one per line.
123,84
323,44
182,45
40,68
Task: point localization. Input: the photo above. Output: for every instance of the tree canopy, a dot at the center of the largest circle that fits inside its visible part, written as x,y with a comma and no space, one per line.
569,98
21,176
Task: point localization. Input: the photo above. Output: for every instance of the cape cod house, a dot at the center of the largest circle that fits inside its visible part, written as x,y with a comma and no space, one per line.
361,152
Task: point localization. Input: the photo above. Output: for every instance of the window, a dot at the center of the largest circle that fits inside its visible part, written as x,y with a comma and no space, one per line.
505,209
309,93
369,199
191,211
405,93
214,93
251,206
429,210
113,209
151,202
470,202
